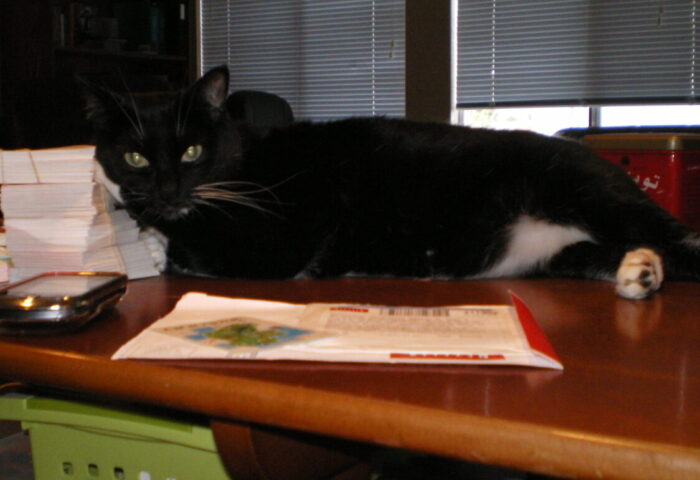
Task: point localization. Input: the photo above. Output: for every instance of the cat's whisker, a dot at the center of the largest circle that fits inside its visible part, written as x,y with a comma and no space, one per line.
200,201
180,124
246,202
225,194
183,120
136,110
221,194
234,198
150,214
232,185
234,189
139,131
132,197
229,186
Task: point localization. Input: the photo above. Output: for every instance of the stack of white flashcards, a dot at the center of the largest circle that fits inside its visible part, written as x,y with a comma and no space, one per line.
58,217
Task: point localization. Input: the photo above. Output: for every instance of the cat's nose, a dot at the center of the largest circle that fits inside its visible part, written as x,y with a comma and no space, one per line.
171,206
174,211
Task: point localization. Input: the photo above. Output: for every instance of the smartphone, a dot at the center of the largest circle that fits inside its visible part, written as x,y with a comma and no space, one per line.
56,302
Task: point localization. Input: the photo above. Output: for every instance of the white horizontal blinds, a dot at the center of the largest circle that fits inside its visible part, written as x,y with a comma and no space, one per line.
214,36
513,52
259,43
327,58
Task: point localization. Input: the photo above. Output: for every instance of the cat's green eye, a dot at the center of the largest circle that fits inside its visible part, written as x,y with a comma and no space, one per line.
192,153
135,159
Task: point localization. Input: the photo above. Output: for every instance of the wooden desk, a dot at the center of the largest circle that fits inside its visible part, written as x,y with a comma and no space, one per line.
627,405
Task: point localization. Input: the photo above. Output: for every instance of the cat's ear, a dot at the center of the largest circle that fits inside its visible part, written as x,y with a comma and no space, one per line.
212,88
96,99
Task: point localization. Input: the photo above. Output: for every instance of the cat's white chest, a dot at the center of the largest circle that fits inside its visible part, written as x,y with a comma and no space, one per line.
531,242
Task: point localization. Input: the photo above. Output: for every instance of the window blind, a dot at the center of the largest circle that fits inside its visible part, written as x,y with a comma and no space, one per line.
327,58
576,52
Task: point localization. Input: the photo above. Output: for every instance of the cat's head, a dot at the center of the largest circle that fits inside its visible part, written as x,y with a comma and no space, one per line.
162,150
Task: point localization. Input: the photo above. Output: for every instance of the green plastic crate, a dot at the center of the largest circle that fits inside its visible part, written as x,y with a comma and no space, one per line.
79,441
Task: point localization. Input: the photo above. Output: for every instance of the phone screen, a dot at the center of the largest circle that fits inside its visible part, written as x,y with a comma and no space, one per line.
57,286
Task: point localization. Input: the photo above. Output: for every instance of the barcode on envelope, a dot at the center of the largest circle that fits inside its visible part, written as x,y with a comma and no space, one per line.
414,312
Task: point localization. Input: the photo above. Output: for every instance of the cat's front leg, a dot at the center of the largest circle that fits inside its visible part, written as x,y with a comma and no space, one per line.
637,273
329,259
157,245
640,274
322,265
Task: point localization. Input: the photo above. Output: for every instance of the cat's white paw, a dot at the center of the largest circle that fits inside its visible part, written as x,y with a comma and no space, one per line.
640,274
157,245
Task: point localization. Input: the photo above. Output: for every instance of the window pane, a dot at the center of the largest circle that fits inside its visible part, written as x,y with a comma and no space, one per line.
545,120
328,58
657,115
576,52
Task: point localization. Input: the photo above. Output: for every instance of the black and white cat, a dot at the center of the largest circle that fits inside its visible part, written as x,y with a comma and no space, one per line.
378,197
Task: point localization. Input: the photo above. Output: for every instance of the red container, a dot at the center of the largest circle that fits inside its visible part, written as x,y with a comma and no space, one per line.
665,165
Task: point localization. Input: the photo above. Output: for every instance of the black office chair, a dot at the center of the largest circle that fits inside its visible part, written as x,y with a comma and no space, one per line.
259,109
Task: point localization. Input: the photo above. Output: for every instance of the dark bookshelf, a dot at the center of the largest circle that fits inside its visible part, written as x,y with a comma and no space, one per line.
133,32
141,45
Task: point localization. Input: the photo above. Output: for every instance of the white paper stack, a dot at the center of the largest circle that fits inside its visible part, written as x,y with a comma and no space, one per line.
57,217
4,258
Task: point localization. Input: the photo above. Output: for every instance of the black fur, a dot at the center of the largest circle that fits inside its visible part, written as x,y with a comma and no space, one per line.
369,196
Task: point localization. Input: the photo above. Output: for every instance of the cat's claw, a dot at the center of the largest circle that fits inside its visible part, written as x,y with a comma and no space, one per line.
640,274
